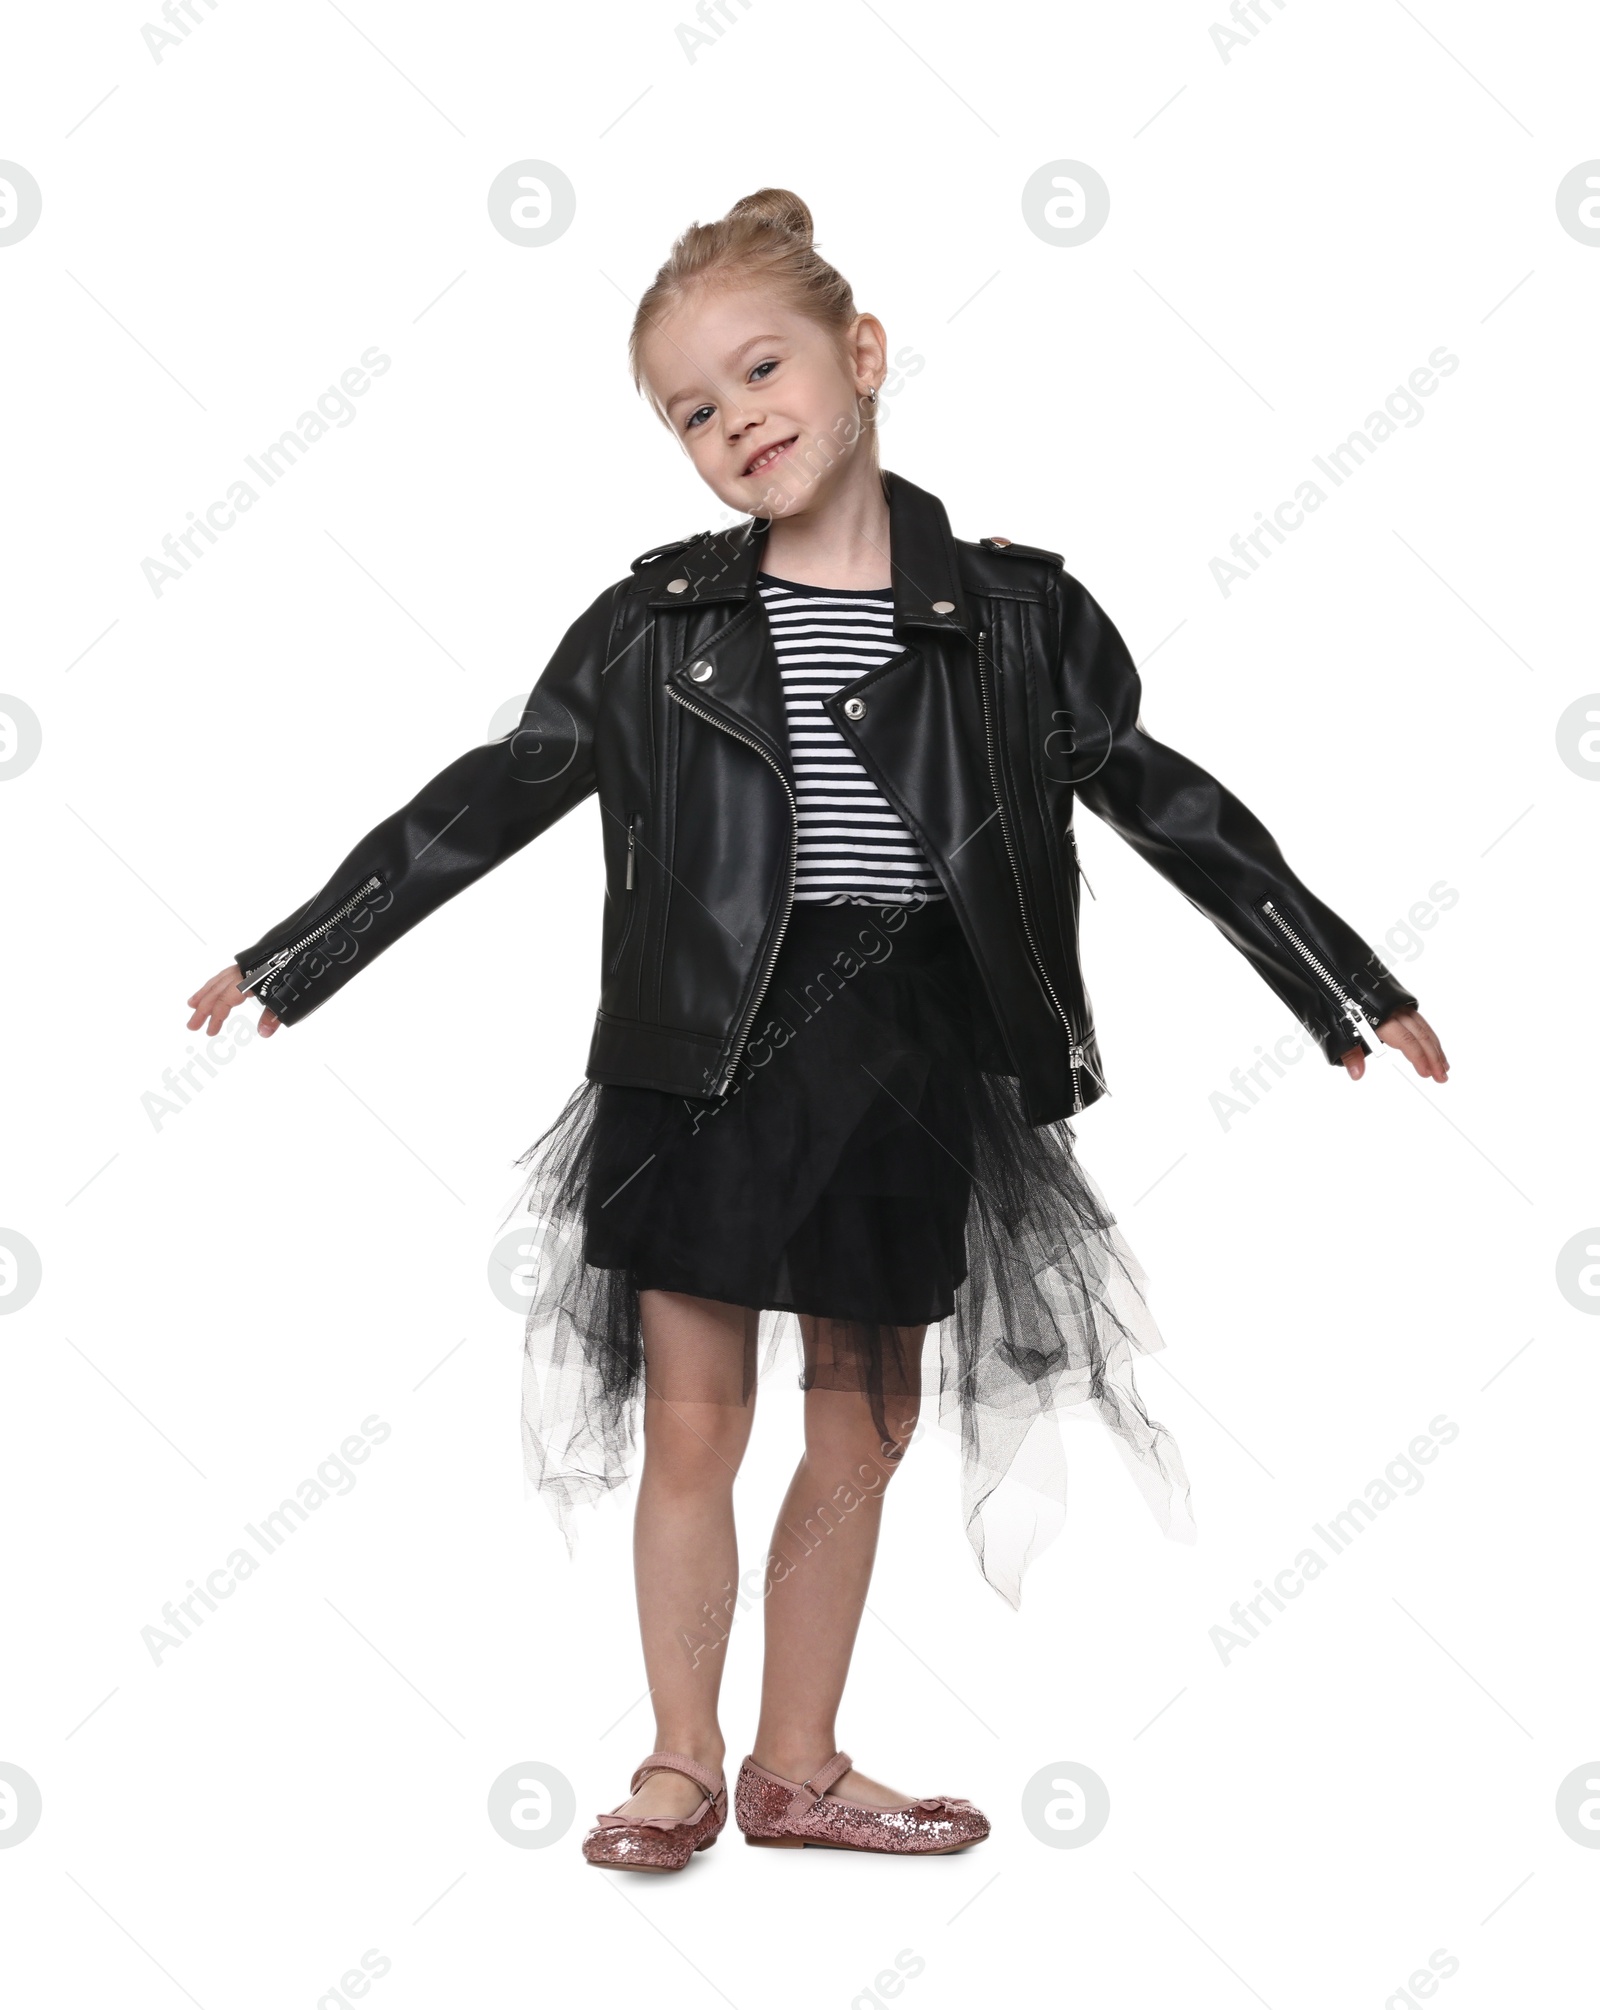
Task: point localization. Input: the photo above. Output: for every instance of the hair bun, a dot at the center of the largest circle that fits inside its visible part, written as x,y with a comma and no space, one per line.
778,206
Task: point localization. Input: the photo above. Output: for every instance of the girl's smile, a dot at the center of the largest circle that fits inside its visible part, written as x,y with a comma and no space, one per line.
768,455
767,403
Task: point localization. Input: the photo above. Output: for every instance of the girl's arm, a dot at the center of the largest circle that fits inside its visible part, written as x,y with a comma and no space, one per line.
1219,854
475,813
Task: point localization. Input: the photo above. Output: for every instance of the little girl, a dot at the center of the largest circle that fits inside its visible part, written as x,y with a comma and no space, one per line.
842,1023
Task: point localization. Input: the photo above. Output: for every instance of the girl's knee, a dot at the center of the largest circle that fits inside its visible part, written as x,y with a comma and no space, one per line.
694,1452
846,1436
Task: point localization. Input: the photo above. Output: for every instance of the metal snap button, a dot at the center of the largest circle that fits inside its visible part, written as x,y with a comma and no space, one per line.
677,586
944,607
700,669
1000,543
855,708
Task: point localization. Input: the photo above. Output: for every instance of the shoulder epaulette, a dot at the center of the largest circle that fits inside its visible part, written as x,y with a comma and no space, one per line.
664,551
1014,550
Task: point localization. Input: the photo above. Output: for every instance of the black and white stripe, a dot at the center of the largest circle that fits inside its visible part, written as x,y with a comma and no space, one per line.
854,846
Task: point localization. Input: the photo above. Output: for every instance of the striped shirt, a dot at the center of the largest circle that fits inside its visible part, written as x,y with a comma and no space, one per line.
853,846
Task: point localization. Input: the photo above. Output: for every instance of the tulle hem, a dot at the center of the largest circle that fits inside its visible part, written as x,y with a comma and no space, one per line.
1047,1320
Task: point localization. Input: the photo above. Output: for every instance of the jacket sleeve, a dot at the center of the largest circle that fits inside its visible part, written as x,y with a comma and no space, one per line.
1198,835
475,813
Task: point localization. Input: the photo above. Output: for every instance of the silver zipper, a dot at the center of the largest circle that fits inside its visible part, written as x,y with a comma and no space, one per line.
283,957
794,854
1075,1050
1348,1004
1072,839
628,880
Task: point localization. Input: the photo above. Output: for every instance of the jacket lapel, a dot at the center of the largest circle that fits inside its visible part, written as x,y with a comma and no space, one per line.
922,735
720,567
928,594
929,692
744,690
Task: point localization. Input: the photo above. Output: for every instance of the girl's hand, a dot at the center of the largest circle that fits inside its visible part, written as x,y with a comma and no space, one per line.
214,1001
1415,1038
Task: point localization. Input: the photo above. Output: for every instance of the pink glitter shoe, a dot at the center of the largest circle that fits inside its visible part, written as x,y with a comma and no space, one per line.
787,1814
659,1842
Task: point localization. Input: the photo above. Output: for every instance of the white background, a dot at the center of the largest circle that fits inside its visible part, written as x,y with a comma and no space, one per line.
227,1295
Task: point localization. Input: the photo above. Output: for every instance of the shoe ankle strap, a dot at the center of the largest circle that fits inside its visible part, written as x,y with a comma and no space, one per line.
811,1790
676,1762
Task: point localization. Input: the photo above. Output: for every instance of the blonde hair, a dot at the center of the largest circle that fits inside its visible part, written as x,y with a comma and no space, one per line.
765,239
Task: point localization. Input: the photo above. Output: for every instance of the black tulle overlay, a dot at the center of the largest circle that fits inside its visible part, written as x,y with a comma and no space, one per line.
867,1173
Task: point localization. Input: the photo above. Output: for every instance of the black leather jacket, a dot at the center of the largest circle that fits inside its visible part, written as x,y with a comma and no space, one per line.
1014,699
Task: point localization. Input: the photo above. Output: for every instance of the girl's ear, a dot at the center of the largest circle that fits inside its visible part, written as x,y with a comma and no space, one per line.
868,346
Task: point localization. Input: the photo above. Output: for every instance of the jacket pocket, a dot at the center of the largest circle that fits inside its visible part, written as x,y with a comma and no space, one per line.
630,897
1078,876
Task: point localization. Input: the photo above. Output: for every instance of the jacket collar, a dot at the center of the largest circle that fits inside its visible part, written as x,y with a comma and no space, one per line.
721,566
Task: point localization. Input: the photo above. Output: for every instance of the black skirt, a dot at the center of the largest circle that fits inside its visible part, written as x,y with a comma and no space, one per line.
866,1173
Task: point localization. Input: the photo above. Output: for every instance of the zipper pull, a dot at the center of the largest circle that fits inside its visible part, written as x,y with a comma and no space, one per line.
267,970
628,881
1072,838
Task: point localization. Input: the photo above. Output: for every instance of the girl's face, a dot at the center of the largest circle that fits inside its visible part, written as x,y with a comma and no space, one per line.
762,399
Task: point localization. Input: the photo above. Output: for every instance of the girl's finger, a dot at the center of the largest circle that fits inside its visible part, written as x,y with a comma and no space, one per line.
1420,1045
1428,1057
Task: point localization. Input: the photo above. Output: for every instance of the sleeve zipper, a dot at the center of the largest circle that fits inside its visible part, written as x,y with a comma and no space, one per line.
628,877
1348,1004
265,972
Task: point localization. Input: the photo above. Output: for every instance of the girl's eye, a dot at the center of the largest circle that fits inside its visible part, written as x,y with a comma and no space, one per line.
703,412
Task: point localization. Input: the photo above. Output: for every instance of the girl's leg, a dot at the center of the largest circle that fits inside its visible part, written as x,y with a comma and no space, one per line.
700,1386
827,1536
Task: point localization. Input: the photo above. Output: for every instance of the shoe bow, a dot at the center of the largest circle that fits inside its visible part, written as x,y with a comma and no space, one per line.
610,1821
